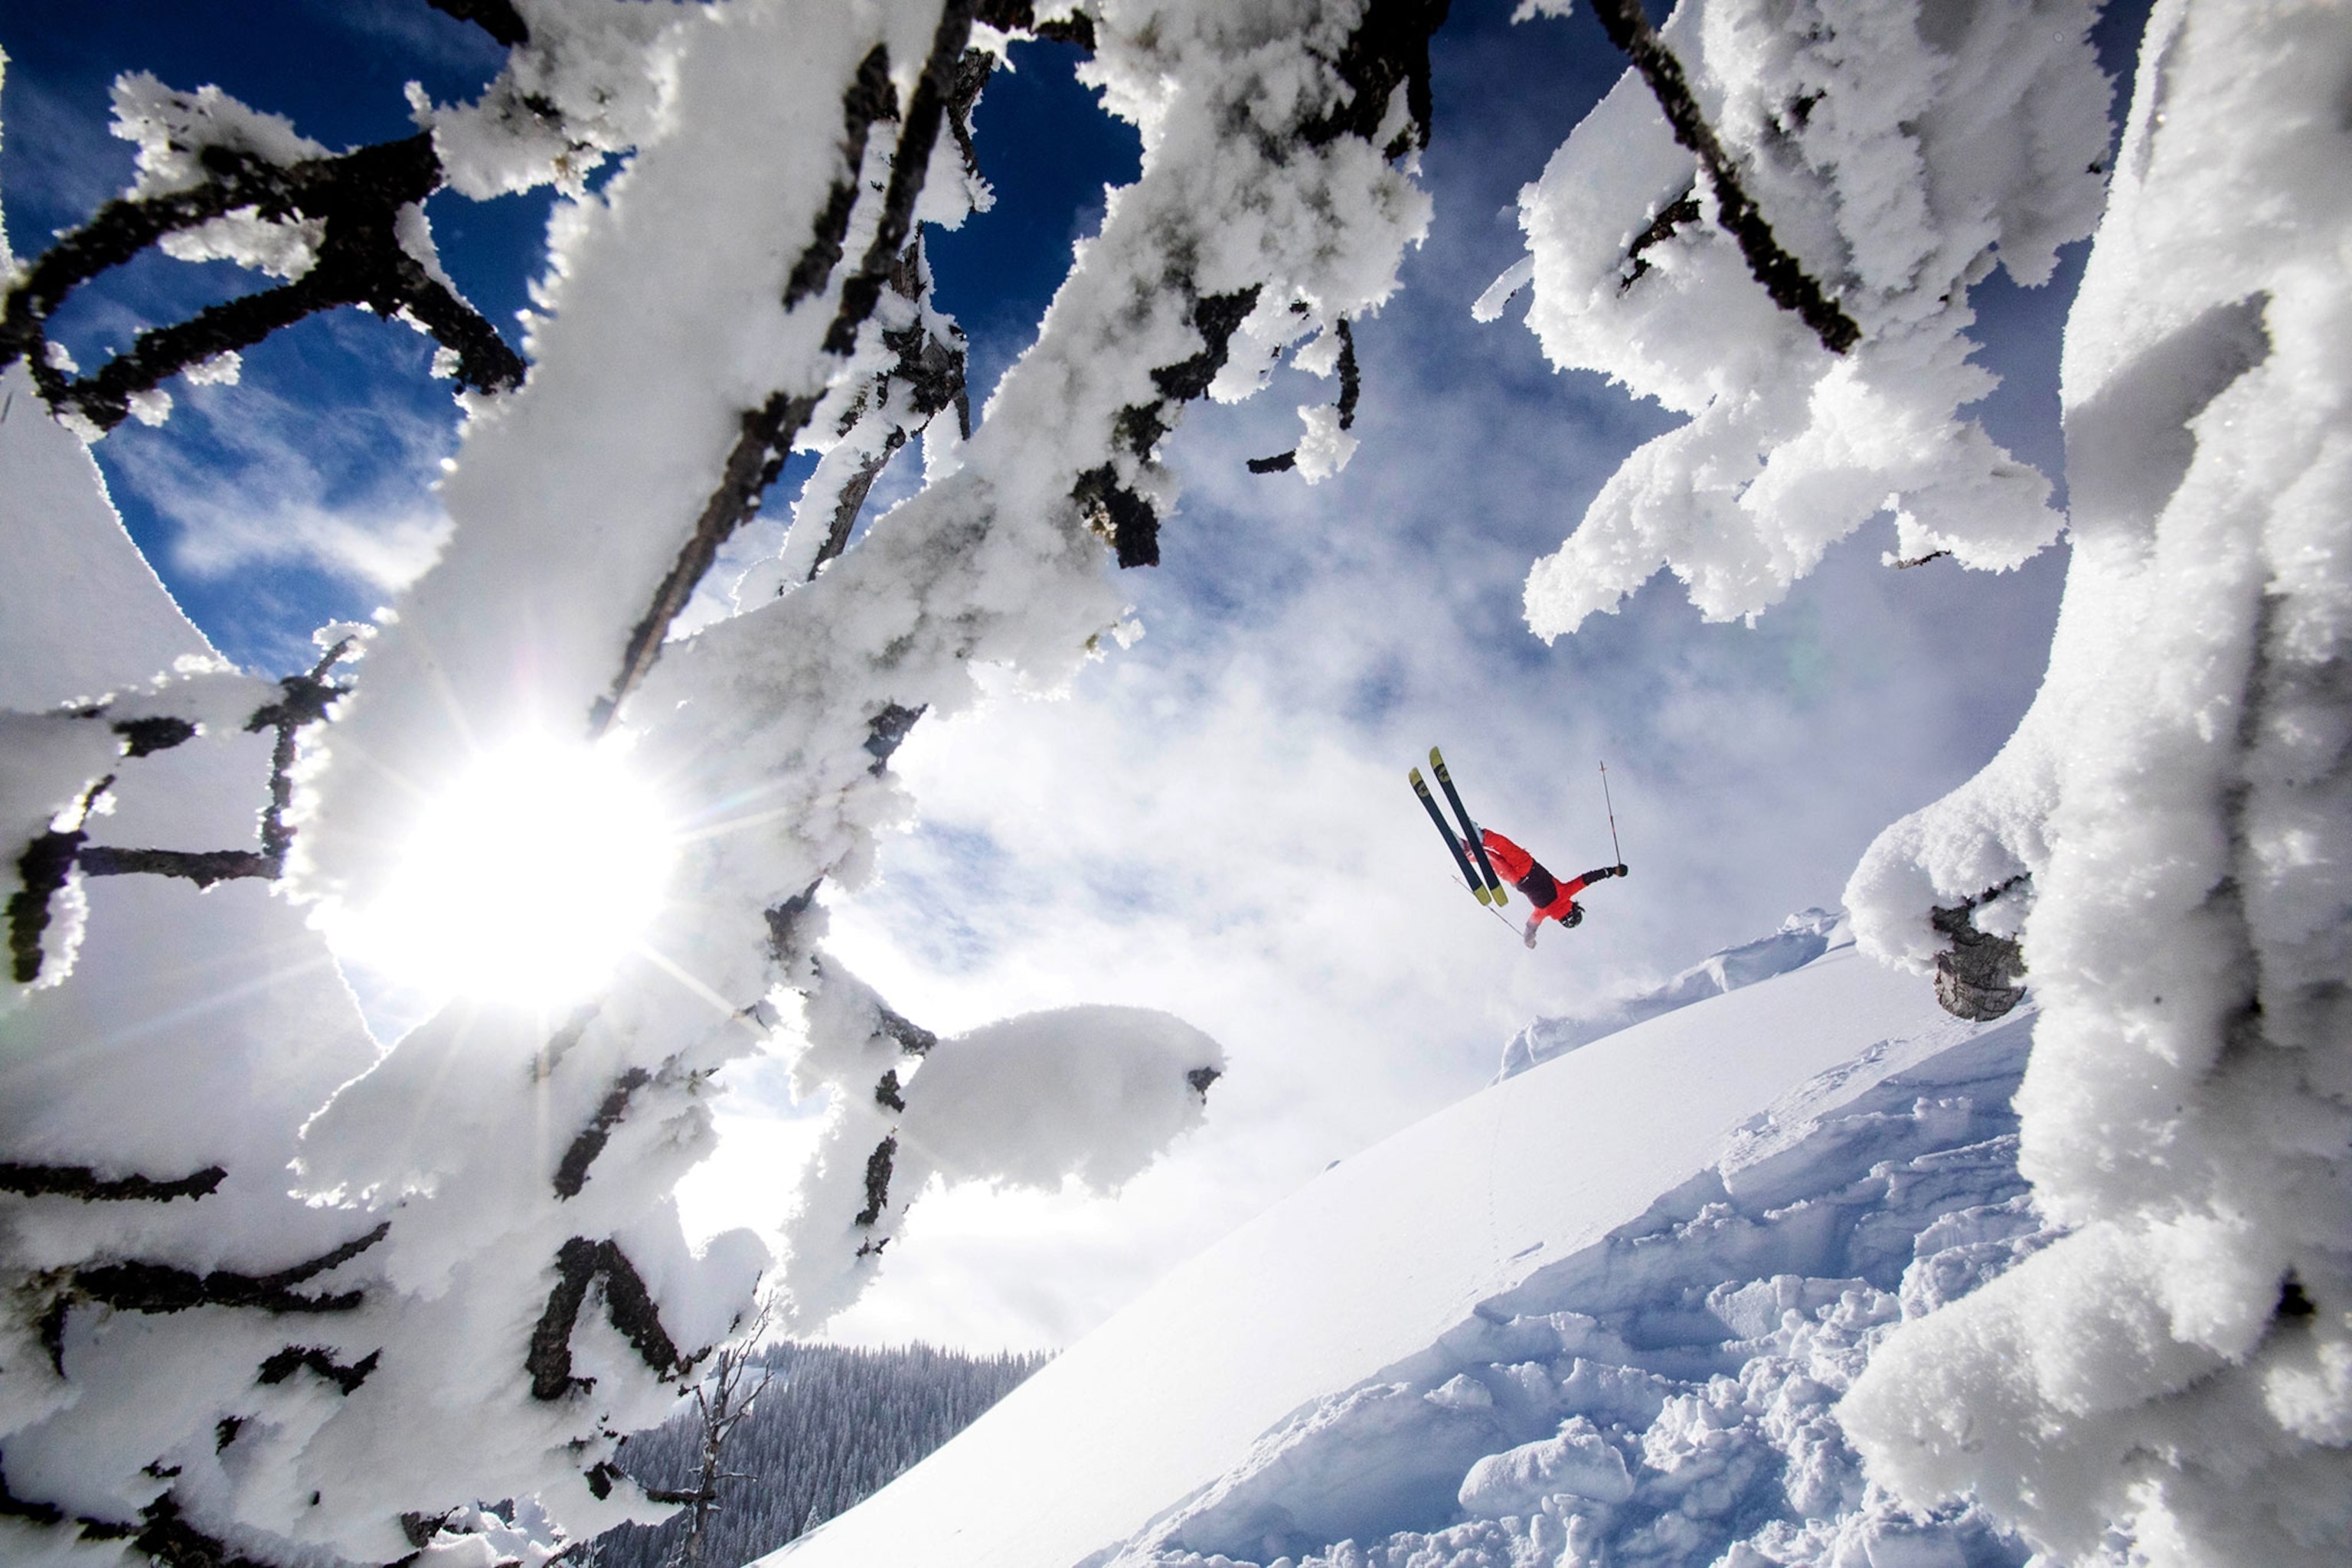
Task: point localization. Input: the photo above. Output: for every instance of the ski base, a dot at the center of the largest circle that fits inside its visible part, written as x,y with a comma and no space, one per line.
1487,877
1461,856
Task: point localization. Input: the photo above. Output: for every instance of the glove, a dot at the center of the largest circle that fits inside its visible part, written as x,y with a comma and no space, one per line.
1619,868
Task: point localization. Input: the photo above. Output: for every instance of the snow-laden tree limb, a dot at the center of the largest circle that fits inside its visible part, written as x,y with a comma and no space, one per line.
1897,153
748,283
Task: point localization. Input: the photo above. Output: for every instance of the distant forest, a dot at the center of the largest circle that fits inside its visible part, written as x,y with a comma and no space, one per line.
836,1424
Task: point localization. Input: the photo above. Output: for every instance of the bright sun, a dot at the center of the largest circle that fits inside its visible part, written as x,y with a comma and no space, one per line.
528,881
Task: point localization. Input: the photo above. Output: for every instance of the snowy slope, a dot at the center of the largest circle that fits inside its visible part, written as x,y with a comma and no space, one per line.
1309,1378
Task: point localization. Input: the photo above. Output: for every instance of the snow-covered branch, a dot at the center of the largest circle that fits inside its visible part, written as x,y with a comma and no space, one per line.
346,218
753,281
2158,847
2178,1366
1784,278
1901,155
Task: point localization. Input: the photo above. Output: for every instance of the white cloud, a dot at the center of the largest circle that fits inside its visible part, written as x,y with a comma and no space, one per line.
382,550
251,479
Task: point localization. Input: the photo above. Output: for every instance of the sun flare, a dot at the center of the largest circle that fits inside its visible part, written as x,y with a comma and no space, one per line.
529,881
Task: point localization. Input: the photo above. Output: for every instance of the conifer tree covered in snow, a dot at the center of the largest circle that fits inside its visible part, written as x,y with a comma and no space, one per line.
833,1425
277,1291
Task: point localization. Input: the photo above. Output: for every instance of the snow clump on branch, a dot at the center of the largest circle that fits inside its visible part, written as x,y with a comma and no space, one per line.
589,80
1899,152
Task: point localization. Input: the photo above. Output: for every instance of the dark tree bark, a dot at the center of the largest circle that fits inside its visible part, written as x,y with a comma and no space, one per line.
1791,287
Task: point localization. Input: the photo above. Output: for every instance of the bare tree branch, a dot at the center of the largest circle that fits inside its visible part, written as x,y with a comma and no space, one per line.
81,1182
869,99
305,702
1351,388
721,1401
159,1288
296,1358
572,1173
202,866
931,370
877,1180
1388,48
1683,209
356,196
41,873
495,17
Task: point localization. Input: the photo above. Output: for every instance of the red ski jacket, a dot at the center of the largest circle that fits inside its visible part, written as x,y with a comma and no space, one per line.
1553,899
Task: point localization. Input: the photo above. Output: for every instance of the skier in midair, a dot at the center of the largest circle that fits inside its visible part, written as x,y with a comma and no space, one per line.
1553,899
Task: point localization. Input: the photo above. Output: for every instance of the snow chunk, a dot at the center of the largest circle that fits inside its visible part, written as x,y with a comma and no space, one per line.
1092,1091
1515,277
1325,450
173,130
596,77
282,247
1579,1462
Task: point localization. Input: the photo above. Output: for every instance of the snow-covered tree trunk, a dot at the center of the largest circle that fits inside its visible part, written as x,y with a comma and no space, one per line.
2180,796
2166,839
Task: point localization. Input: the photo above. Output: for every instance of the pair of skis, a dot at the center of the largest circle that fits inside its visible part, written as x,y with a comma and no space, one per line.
1469,851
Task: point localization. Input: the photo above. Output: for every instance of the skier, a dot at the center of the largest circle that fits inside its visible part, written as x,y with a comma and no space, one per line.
1551,898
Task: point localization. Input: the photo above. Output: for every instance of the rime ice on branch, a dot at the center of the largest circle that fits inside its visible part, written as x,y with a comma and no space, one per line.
1887,156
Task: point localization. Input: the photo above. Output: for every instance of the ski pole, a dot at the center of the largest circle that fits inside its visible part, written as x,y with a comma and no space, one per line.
1490,908
1613,815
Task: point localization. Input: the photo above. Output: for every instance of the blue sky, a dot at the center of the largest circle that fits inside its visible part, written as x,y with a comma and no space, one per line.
1215,821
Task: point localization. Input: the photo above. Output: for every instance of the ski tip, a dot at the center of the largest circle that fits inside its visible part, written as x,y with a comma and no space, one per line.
1435,759
1501,897
1484,896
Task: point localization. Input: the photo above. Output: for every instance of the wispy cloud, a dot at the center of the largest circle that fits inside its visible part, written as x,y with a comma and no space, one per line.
421,33
381,549
59,160
248,477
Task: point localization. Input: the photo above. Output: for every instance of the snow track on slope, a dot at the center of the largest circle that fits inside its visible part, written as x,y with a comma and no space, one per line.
1407,1246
